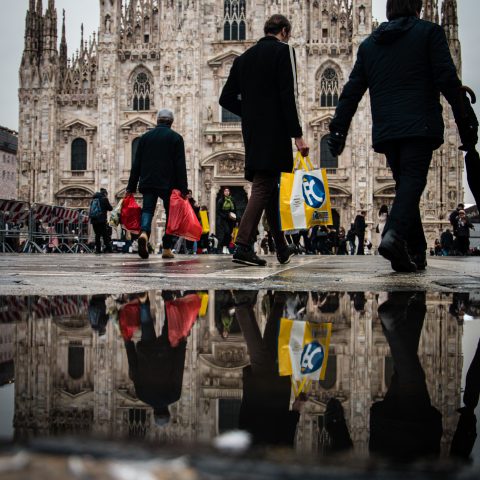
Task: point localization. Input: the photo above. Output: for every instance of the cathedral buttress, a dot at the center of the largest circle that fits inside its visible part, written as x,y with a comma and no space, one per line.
430,11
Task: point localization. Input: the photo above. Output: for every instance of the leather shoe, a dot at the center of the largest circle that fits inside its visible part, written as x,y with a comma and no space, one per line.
143,245
246,256
420,260
285,254
394,248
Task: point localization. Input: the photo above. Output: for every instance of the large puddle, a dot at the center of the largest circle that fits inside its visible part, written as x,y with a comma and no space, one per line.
373,373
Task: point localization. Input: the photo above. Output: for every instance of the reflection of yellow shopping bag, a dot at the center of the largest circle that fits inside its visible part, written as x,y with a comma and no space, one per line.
303,351
304,196
204,305
204,221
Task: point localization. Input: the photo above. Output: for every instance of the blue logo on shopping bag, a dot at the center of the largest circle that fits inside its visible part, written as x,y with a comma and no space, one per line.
312,358
313,191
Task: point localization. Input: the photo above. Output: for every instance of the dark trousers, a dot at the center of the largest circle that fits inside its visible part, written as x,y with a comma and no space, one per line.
361,243
102,231
265,191
409,160
148,211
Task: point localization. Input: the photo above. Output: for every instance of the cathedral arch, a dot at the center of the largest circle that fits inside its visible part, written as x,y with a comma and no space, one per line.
327,160
78,159
328,85
74,196
141,89
234,20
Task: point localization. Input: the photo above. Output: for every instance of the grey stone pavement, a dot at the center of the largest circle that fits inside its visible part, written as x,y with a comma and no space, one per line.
73,274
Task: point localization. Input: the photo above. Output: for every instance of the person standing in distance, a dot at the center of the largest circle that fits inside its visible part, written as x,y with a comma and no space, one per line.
261,90
158,168
405,64
99,206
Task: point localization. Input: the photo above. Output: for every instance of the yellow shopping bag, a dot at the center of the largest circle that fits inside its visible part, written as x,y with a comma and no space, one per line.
304,196
303,351
204,304
204,221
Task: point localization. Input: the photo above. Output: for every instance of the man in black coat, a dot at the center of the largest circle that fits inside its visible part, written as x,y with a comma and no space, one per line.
158,168
261,90
405,64
99,207
360,227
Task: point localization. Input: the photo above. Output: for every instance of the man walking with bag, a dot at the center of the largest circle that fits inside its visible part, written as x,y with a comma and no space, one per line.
405,64
158,168
261,90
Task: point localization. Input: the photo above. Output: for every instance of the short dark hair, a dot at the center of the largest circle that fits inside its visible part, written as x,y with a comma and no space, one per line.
276,23
403,8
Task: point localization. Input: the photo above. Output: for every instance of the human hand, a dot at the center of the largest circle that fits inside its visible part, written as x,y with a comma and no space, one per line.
336,143
468,136
302,146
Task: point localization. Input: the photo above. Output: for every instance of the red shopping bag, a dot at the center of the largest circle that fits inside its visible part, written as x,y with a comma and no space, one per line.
182,221
130,214
181,314
129,319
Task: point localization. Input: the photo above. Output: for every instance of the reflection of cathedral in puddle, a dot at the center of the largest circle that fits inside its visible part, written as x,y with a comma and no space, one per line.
70,380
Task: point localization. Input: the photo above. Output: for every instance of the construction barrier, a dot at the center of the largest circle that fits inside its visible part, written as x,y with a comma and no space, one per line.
40,228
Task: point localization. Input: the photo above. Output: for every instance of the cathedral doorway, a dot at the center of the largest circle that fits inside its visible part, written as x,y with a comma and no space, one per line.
239,196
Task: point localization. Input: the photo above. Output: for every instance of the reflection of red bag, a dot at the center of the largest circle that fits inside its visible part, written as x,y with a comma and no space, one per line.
182,221
130,214
181,315
129,319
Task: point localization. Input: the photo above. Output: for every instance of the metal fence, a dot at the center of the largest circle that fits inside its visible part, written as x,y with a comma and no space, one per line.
40,228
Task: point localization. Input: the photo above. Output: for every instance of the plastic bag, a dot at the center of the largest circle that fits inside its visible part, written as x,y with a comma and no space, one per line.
182,221
181,314
115,216
130,214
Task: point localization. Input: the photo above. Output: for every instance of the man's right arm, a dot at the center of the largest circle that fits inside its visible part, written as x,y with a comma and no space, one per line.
135,170
446,80
229,98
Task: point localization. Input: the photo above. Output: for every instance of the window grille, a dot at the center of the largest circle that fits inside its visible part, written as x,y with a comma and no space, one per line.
141,92
234,21
329,89
229,117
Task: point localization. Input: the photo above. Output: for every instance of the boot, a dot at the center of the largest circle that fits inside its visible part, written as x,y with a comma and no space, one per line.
167,253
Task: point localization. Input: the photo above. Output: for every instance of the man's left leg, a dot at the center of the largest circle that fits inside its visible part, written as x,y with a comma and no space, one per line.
148,210
167,240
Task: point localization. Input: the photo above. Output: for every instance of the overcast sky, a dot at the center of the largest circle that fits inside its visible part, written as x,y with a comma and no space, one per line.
12,27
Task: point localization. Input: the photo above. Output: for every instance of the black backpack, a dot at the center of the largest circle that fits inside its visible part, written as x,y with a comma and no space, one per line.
95,209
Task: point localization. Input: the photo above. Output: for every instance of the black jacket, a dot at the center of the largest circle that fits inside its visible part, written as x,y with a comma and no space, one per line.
260,89
360,225
105,206
405,64
159,163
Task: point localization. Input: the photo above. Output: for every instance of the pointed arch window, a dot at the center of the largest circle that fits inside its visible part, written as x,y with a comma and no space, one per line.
327,160
76,360
329,88
79,155
234,20
141,91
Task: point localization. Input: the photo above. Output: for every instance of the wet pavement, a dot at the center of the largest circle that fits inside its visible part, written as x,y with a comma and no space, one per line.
262,378
67,274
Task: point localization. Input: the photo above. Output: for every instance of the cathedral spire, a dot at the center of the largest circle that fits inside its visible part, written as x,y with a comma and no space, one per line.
450,25
63,49
39,7
81,38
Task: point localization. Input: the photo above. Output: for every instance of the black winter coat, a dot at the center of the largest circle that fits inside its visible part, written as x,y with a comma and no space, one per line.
260,89
159,163
405,64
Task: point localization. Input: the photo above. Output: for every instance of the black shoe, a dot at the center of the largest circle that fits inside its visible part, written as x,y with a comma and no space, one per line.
420,260
142,245
285,254
393,248
246,256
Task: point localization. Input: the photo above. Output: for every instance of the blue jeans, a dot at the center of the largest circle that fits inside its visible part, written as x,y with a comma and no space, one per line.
148,210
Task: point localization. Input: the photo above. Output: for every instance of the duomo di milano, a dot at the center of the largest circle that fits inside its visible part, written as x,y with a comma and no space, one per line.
81,115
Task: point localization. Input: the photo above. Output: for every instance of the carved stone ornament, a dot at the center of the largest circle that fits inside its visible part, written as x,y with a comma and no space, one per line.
230,165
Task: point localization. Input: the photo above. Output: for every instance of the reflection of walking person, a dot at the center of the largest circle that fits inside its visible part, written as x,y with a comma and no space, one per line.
265,411
261,90
156,367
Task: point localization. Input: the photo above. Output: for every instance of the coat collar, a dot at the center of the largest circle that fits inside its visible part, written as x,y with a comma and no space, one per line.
269,38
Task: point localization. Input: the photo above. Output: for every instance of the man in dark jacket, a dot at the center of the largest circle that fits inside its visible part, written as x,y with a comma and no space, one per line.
158,168
261,90
405,64
99,207
360,227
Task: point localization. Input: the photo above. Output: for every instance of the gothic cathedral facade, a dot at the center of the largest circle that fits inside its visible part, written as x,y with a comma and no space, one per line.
81,115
